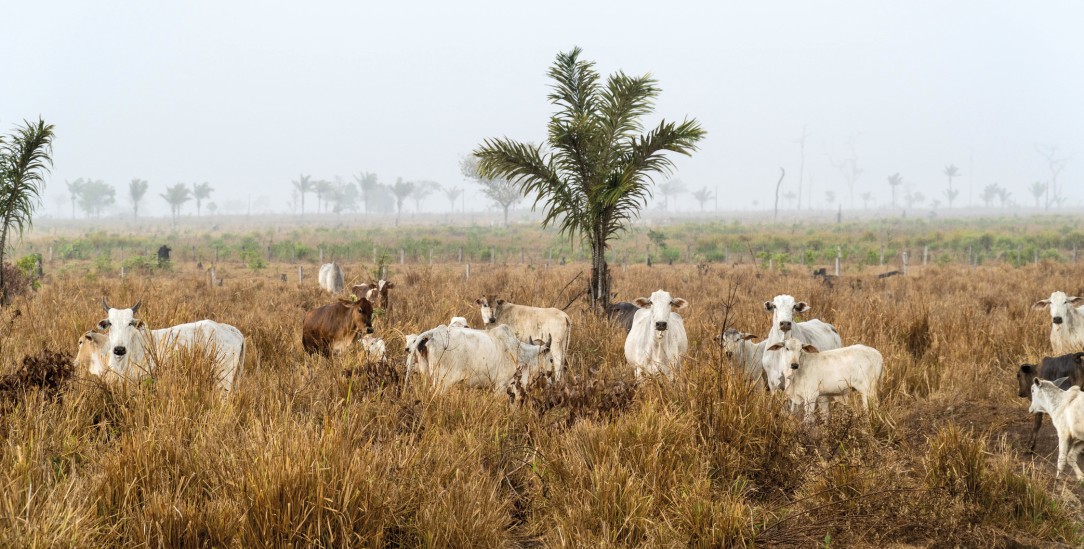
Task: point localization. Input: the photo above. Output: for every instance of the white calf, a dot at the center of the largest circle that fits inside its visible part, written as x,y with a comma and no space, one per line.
657,340
1067,322
1066,411
813,377
748,355
813,332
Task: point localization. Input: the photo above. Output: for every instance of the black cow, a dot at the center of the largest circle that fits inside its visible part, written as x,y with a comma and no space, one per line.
624,312
1050,369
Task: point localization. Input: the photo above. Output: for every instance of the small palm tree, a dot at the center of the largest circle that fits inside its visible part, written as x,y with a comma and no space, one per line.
596,170
452,193
1037,190
201,192
176,196
703,196
673,187
303,185
137,188
866,197
952,172
894,181
422,189
323,190
504,192
25,156
401,190
367,184
75,190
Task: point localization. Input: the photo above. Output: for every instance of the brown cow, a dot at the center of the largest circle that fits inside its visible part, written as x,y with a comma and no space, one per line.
334,327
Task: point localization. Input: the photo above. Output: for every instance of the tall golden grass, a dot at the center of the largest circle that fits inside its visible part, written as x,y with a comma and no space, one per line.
303,455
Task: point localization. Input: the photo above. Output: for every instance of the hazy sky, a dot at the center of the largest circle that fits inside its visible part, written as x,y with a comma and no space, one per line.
247,95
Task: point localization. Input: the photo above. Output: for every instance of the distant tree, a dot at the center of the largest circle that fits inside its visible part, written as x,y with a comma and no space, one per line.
913,198
201,192
673,188
848,166
322,189
75,188
212,207
866,197
137,188
789,197
25,157
343,197
1056,164
303,185
367,184
452,193
401,190
1037,190
504,192
176,196
989,193
95,196
422,189
952,172
1003,196
894,181
595,172
830,197
703,196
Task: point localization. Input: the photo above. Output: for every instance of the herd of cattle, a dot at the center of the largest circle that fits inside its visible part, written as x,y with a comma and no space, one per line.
805,360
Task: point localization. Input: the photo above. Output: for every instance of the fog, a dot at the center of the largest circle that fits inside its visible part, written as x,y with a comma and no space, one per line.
248,96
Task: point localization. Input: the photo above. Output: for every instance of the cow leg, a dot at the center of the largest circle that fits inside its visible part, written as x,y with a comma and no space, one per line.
1074,455
823,404
1035,431
1063,451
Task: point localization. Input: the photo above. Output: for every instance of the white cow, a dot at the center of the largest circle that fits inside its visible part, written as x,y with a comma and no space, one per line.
1066,411
748,355
331,277
492,359
1067,317
813,377
813,332
373,348
134,350
533,323
657,340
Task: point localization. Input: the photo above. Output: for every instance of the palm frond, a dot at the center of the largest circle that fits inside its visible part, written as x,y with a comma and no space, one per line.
25,158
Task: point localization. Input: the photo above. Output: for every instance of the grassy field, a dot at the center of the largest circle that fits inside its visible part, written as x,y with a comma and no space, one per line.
304,454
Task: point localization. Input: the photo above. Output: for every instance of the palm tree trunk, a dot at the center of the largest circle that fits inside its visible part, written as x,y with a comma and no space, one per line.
506,217
599,290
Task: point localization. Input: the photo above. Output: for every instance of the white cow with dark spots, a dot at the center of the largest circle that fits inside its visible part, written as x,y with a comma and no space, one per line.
657,341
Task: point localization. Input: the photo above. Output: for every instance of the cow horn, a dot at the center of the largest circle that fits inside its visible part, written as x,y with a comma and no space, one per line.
105,304
136,306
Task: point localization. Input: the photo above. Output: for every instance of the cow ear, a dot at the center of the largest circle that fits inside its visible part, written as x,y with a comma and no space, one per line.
1026,368
775,347
750,337
801,307
390,285
104,324
642,302
1075,300
1063,383
810,349
1040,304
479,301
1036,382
769,306
678,303
500,302
140,324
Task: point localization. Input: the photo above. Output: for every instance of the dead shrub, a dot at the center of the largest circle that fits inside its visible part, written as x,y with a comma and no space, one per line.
48,371
574,399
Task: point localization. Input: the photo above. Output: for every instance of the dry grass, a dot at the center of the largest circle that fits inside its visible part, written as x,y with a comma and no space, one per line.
334,453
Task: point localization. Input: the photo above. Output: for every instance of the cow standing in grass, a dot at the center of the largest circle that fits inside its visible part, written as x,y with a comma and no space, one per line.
331,277
335,327
814,332
1070,366
813,377
657,341
1066,322
531,323
1066,411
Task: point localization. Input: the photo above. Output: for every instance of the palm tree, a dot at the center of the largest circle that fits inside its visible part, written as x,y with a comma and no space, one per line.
423,189
176,196
201,192
303,185
894,181
136,189
952,172
95,195
452,193
25,156
75,189
1038,189
323,188
673,187
367,184
866,197
596,169
703,196
401,190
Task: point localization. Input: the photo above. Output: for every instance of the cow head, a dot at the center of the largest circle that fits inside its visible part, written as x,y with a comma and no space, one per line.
732,339
361,314
458,322
361,290
91,347
782,309
661,305
1042,394
1061,306
792,351
490,308
122,326
1024,376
